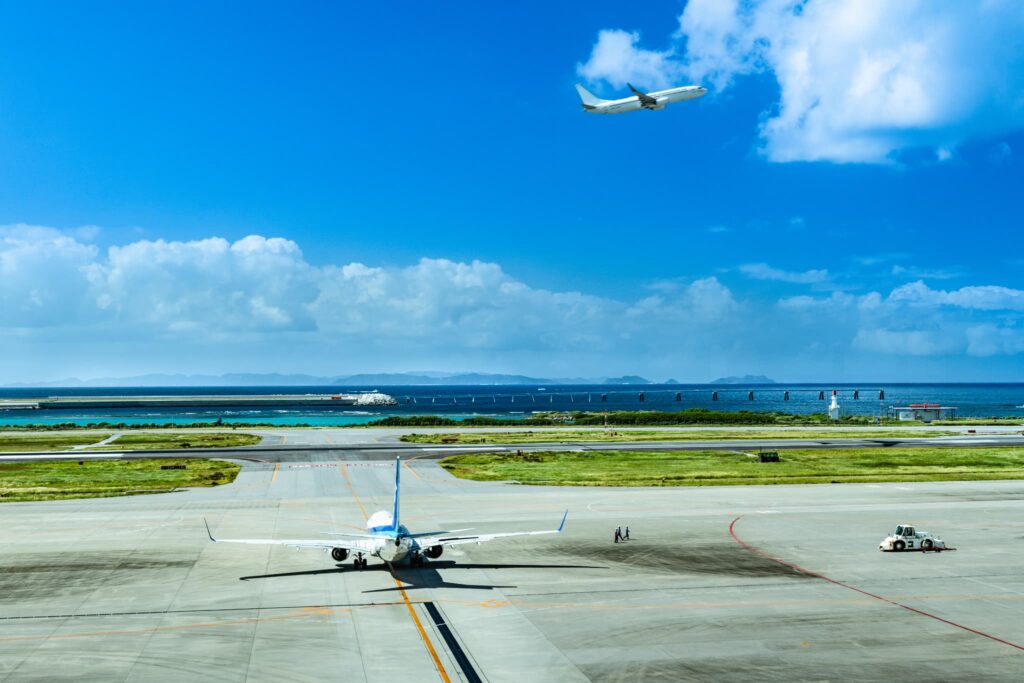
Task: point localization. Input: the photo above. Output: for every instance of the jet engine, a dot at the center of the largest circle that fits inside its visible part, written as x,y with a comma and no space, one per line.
434,551
339,554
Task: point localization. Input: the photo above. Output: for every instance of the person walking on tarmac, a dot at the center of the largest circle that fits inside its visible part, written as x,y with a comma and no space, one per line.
618,535
625,537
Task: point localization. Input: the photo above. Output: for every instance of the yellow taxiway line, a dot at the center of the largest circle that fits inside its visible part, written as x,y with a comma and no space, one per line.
405,598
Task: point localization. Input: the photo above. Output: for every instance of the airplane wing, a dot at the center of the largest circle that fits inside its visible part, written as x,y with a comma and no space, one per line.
360,545
425,542
645,99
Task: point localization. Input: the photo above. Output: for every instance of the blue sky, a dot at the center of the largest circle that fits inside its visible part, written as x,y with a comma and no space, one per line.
334,189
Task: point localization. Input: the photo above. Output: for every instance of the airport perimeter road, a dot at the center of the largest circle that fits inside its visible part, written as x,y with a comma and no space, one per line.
733,584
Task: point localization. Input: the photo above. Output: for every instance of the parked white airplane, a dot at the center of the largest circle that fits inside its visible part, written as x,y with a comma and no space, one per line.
640,100
387,539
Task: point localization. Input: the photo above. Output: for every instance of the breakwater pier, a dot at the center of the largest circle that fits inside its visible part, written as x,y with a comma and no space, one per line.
199,401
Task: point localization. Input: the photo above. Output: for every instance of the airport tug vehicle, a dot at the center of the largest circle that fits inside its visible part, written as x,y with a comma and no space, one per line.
907,537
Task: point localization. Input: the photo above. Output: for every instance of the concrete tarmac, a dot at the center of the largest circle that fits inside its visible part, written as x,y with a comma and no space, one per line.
719,583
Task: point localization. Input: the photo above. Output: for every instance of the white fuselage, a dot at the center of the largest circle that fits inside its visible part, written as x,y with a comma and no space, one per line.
394,549
663,98
391,545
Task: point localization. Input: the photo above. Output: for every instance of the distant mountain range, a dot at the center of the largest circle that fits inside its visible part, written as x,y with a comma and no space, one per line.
439,378
745,379
360,380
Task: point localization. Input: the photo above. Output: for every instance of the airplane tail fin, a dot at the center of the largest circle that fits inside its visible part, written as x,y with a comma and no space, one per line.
588,98
398,484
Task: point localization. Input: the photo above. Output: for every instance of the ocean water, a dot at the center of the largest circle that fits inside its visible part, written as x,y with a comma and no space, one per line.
971,400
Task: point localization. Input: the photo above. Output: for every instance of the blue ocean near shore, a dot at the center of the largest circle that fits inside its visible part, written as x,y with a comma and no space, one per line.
971,400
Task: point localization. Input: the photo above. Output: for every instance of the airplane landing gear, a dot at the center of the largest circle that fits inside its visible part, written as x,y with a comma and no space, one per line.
360,562
417,560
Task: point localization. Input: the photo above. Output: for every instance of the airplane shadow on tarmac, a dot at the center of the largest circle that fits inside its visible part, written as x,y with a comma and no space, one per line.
424,577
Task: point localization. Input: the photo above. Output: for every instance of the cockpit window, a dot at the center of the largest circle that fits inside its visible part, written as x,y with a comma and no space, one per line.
899,530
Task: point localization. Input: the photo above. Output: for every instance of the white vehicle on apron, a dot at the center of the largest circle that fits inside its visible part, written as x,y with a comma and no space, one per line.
906,537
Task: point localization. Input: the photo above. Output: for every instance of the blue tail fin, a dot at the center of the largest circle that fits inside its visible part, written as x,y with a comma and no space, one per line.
398,483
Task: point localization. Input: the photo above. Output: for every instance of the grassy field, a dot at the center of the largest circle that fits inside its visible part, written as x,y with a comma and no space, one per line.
144,441
182,440
47,442
715,468
570,436
100,478
982,421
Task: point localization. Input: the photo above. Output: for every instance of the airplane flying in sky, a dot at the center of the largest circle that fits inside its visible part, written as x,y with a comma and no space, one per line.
639,100
387,539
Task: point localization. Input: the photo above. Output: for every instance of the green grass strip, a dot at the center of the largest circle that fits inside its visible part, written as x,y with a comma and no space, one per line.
716,468
58,480
183,440
614,435
47,442
135,441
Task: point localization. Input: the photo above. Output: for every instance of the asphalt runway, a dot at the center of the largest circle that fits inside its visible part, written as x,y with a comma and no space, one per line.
287,445
719,583
390,438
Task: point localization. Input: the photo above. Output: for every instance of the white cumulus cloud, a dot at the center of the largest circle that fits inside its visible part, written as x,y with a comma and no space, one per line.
43,276
992,340
206,286
859,80
906,342
915,320
257,287
983,297
617,59
762,271
472,304
257,304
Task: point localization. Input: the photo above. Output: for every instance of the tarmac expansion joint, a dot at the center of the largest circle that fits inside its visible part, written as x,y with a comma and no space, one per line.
835,582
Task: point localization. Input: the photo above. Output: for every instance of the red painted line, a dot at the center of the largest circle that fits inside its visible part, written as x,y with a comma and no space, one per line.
808,572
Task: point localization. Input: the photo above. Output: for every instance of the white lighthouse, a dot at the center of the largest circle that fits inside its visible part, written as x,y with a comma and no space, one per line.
833,407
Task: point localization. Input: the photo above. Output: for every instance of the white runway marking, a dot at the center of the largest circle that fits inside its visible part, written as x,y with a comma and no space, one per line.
62,456
462,448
